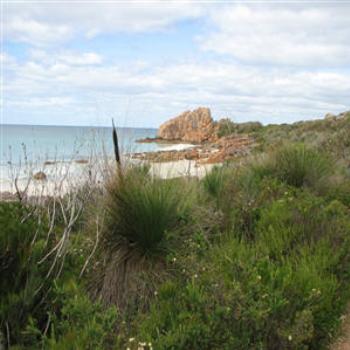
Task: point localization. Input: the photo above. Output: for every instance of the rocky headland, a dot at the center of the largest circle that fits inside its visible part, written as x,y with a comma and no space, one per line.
198,128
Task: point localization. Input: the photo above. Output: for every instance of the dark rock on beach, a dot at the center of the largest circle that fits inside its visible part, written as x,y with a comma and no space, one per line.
40,176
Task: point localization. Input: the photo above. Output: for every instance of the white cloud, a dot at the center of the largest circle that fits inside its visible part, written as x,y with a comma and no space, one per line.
36,33
66,58
50,22
290,34
280,62
243,93
43,102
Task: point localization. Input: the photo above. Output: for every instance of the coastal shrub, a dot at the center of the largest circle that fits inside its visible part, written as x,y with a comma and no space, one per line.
213,182
28,303
76,322
216,181
227,127
140,210
259,294
340,190
298,166
21,246
244,194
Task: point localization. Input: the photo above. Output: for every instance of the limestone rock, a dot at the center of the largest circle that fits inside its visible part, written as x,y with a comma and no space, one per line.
191,126
40,176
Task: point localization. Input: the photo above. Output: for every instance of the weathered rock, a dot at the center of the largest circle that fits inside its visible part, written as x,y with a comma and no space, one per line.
225,149
49,162
191,126
40,176
81,161
229,147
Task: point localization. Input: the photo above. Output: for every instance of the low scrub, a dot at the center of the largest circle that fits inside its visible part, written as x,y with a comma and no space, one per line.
140,210
227,127
284,290
249,257
21,277
298,166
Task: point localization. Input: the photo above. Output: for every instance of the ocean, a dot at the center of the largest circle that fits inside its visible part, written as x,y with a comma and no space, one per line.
62,142
71,155
21,145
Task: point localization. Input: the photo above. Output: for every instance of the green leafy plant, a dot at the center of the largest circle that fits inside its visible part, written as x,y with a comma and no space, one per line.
140,210
21,247
297,165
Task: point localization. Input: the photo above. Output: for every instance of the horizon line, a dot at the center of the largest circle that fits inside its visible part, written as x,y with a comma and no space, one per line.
77,126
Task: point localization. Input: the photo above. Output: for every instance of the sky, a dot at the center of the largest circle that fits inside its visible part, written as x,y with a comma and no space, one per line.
143,62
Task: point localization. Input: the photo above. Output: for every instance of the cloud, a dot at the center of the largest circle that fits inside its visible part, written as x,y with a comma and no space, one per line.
155,94
263,61
43,102
66,57
294,34
36,33
51,22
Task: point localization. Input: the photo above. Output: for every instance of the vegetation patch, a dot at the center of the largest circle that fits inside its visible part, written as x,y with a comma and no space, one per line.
255,255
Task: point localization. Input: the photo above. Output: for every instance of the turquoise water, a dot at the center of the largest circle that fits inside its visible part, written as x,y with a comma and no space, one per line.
64,142
28,146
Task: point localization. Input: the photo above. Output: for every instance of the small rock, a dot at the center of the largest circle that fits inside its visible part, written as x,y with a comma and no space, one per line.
40,176
82,161
49,162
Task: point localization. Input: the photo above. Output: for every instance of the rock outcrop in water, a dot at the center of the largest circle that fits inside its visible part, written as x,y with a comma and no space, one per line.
191,126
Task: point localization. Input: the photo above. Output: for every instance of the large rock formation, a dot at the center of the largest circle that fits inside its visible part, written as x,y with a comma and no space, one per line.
191,126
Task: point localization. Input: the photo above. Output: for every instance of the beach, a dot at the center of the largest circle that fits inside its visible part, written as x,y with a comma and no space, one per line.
60,177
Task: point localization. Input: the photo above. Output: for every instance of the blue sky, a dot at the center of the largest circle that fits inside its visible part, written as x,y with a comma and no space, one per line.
142,62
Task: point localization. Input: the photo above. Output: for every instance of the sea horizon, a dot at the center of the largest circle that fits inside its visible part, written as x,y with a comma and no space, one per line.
74,126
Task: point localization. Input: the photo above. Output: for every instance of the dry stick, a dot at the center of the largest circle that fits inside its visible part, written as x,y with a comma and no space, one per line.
94,248
47,324
8,335
18,193
52,218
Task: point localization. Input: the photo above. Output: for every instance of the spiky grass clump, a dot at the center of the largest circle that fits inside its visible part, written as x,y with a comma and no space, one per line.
301,166
140,210
297,165
213,182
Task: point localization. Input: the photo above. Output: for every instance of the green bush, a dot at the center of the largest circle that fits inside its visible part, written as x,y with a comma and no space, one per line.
213,182
297,165
140,210
22,279
284,290
30,307
228,127
76,322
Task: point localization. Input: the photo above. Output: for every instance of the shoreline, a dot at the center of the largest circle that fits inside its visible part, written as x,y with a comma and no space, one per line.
60,177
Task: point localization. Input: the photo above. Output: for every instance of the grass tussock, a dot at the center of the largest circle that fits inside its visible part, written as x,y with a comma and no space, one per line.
140,211
297,165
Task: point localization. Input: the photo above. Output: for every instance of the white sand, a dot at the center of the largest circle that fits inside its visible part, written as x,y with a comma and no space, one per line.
176,147
168,170
66,176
